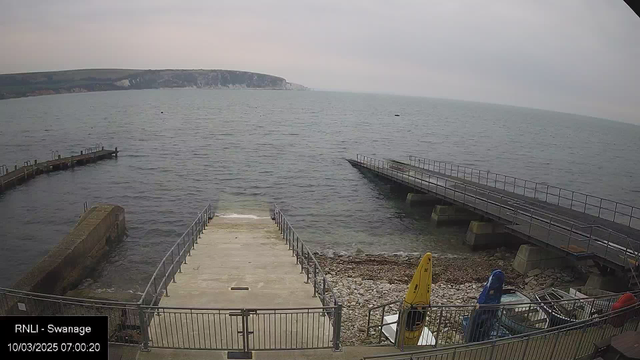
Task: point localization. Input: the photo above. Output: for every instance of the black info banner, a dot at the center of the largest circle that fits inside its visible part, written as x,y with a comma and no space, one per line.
43,337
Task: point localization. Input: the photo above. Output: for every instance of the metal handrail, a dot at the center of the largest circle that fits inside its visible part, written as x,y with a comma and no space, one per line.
298,248
66,299
577,225
476,175
511,213
598,297
321,285
184,245
237,308
583,325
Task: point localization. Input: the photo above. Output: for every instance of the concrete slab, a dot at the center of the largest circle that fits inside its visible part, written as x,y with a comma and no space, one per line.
236,252
240,252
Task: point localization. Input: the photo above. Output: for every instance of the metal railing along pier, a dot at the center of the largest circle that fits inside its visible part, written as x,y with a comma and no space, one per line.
172,262
575,200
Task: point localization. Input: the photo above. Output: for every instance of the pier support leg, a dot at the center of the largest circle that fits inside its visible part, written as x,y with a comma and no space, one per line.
485,235
532,257
414,199
452,214
399,190
606,282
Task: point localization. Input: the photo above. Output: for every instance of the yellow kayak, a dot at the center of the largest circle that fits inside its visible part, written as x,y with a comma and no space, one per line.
418,299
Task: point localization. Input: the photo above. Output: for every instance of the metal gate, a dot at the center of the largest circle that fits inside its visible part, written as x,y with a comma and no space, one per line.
242,330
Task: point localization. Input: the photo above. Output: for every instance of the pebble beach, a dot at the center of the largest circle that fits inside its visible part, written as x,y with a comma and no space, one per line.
363,281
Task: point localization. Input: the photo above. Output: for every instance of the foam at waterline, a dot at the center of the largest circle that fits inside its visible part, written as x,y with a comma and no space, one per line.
242,216
333,253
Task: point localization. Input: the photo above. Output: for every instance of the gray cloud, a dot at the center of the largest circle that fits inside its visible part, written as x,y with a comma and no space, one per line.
576,56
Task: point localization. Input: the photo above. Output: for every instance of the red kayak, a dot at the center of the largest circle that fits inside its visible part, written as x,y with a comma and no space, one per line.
625,300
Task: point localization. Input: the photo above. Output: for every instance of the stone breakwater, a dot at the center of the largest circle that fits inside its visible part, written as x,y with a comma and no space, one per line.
364,281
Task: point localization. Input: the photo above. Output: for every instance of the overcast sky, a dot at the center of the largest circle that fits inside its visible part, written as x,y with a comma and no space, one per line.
575,56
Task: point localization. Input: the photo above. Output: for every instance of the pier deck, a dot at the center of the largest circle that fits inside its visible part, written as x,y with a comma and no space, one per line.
10,179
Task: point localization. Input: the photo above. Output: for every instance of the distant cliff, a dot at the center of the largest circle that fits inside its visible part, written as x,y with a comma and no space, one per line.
61,82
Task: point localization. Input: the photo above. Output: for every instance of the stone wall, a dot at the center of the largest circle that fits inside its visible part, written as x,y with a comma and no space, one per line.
69,262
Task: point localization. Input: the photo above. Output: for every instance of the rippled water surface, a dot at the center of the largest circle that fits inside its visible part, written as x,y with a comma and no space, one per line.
243,150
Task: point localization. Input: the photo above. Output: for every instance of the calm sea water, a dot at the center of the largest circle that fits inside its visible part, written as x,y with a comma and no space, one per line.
243,150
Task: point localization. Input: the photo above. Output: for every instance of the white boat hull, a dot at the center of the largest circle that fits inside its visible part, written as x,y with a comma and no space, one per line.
389,331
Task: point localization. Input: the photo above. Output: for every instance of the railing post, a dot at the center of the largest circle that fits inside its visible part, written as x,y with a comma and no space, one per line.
302,260
315,283
297,247
600,207
437,338
555,344
400,324
337,327
524,353
570,236
575,355
155,286
590,235
166,286
173,262
245,331
145,330
324,291
308,270
493,347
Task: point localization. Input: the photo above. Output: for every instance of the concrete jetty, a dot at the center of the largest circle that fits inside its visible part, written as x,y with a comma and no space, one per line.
236,252
241,266
19,175
70,261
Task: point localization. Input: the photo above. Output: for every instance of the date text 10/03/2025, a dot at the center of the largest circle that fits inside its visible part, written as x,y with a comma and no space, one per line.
41,336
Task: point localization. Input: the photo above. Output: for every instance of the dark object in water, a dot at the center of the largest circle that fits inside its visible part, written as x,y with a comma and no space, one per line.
484,319
397,115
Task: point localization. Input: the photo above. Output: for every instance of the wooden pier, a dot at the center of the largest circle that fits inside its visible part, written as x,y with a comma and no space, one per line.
10,179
